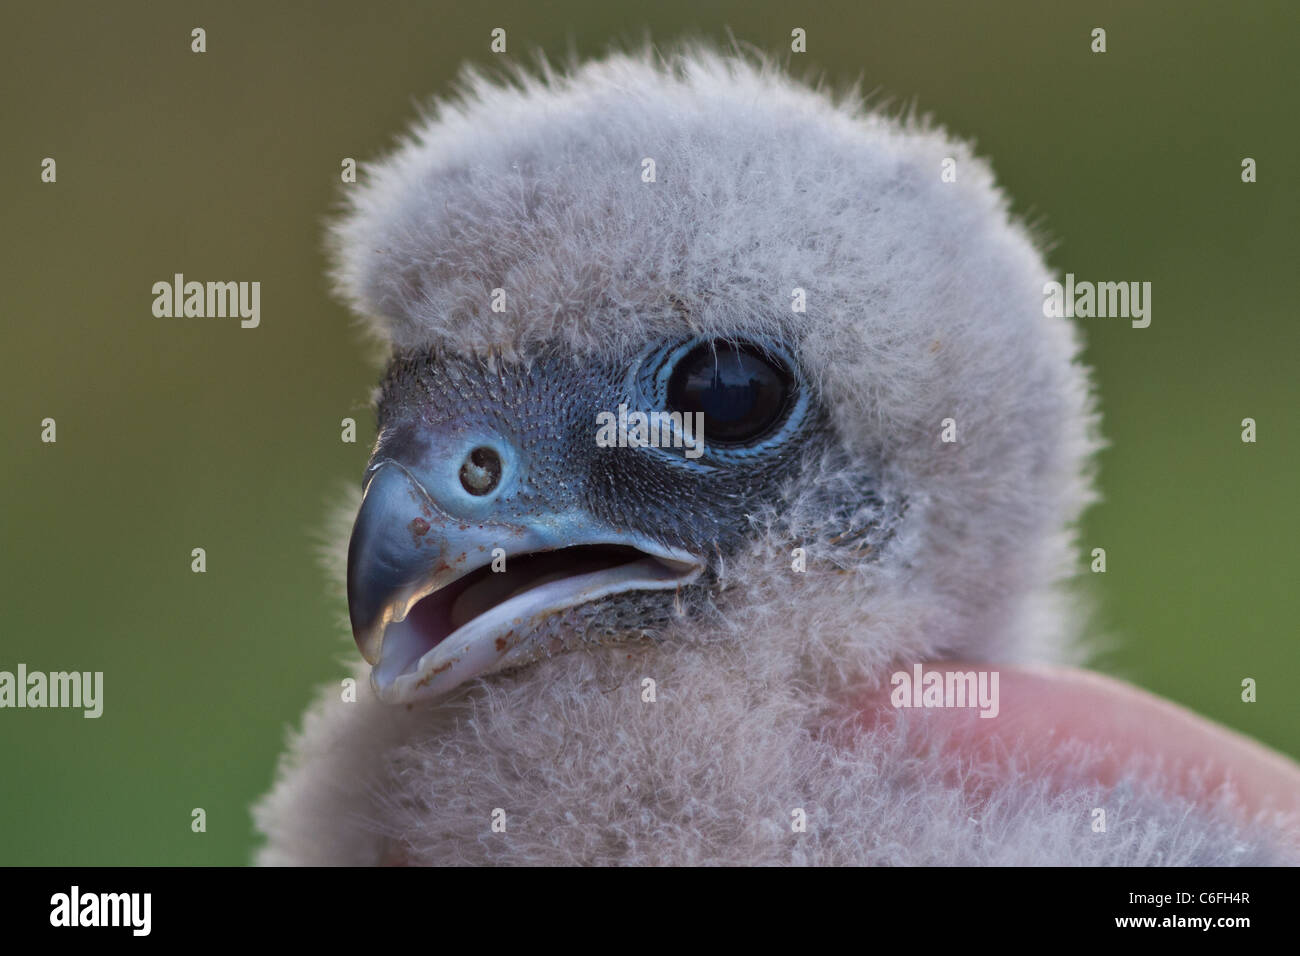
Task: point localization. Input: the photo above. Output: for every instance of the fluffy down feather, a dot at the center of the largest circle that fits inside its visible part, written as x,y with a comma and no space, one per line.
588,774
923,303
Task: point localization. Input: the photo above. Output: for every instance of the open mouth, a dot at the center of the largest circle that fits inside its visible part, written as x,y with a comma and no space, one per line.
466,626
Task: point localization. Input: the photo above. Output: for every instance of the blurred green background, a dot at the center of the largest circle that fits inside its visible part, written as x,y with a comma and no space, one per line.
181,434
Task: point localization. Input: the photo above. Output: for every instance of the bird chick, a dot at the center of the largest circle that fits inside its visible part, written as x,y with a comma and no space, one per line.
662,649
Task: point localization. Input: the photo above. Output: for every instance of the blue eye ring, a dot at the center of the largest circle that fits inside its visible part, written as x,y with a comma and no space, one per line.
654,372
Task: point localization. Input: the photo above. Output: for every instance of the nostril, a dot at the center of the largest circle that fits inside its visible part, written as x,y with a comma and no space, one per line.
481,471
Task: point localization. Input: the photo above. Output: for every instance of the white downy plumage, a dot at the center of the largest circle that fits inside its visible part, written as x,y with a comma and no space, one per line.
923,303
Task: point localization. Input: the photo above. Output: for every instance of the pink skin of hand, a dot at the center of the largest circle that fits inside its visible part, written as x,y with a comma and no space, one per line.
1042,708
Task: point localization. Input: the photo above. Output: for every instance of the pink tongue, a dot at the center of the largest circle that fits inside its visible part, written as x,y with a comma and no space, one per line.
1042,707
497,588
480,596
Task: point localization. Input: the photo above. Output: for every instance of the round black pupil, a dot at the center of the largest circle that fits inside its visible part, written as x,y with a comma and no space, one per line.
738,391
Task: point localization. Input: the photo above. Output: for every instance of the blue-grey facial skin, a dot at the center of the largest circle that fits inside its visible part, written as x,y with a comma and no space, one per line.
539,416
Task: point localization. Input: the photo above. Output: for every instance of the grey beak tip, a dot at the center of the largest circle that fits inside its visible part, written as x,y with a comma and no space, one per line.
381,565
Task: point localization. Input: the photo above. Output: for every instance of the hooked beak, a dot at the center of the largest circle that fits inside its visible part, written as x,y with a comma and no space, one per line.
436,600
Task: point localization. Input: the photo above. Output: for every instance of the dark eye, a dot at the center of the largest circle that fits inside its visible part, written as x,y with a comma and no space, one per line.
741,392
